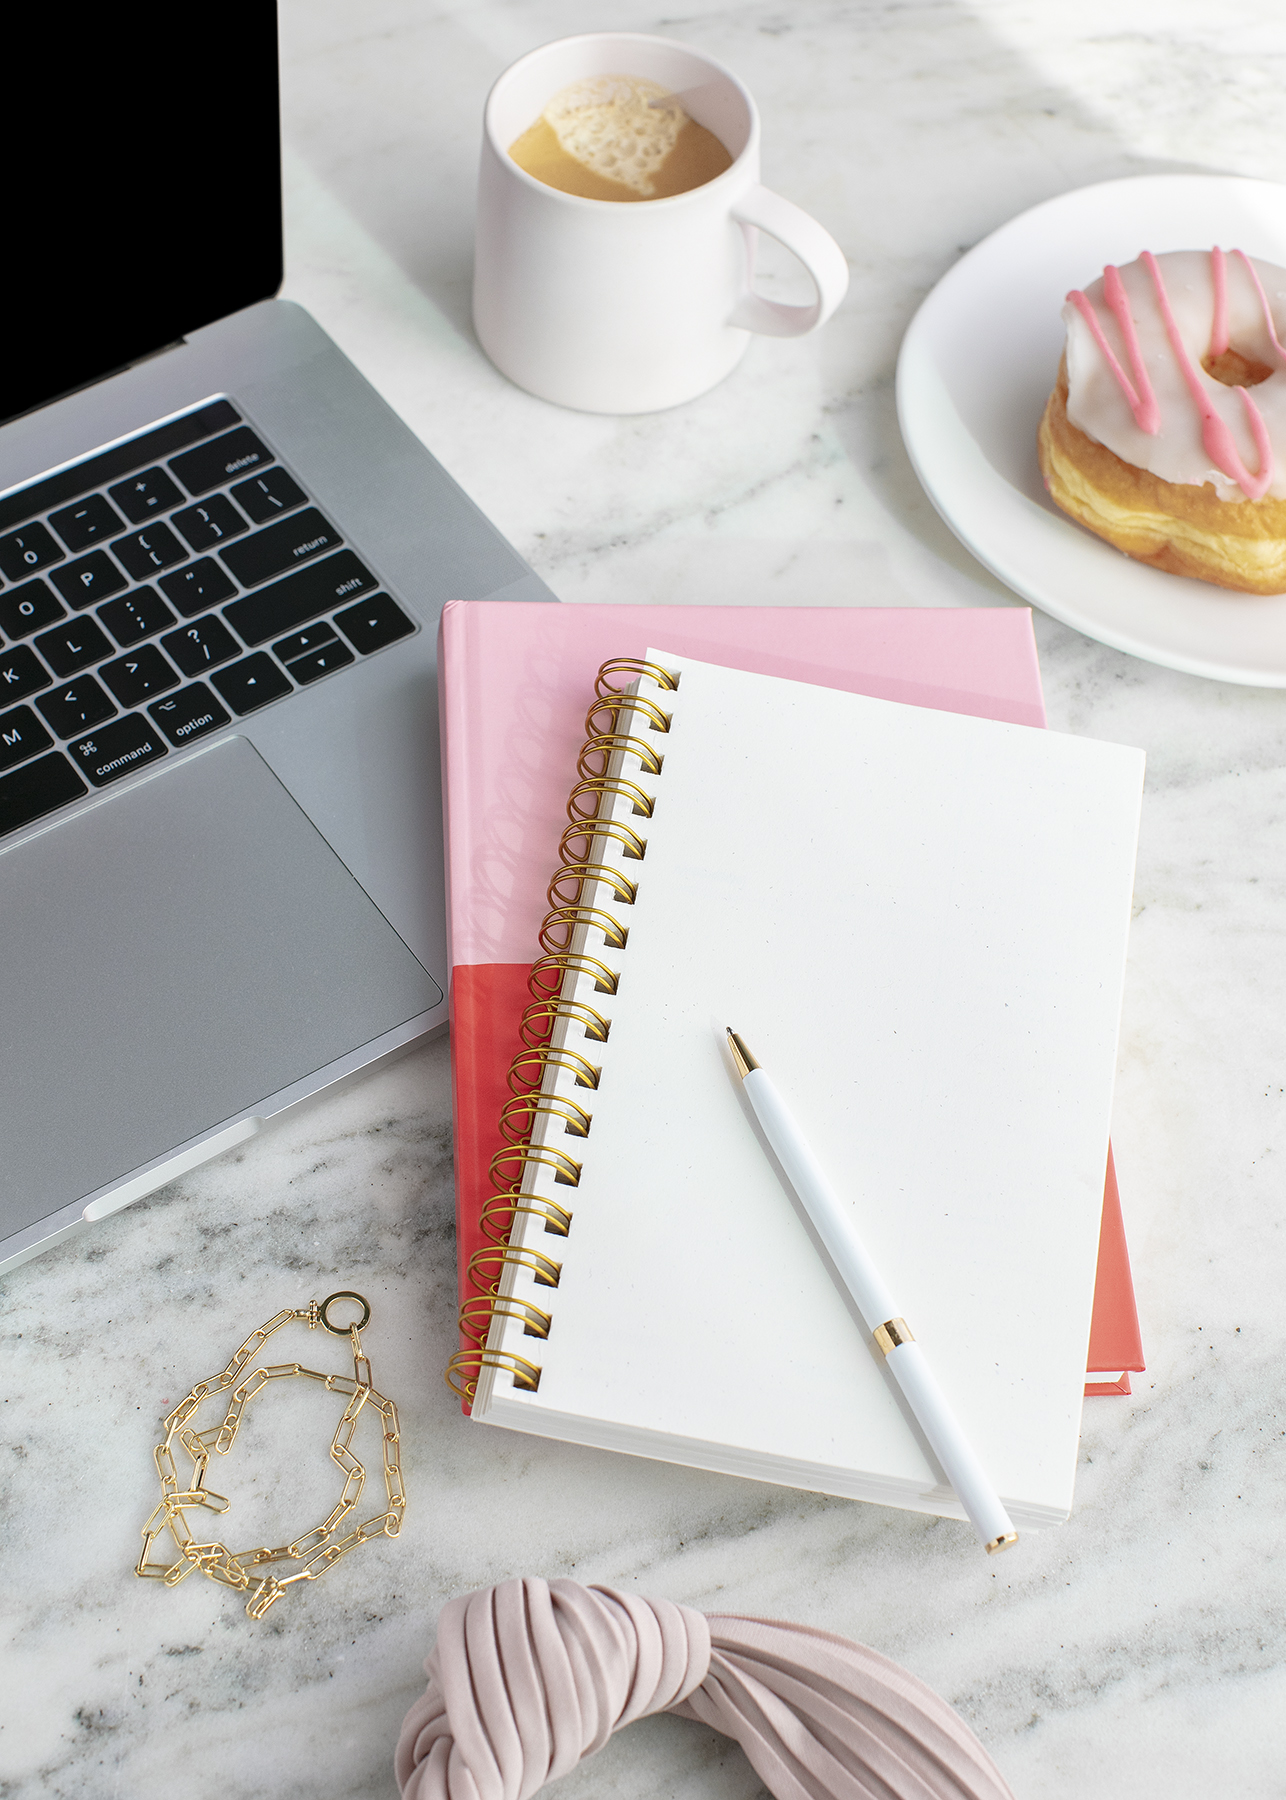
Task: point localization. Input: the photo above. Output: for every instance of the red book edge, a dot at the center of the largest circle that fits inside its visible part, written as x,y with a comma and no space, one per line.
487,1002
1115,1343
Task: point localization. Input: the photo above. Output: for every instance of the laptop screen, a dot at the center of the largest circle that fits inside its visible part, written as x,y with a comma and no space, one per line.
143,154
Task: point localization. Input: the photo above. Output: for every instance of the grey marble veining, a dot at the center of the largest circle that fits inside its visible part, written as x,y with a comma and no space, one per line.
1136,1650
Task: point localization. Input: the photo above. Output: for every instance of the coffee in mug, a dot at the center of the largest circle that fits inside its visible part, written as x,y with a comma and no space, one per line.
627,309
621,138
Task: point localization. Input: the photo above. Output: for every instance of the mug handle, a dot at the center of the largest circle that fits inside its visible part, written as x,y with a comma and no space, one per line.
815,248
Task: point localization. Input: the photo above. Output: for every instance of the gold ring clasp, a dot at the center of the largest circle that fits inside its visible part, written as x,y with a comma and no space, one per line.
343,1330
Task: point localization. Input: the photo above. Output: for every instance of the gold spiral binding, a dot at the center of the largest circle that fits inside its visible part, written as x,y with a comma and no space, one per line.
579,873
556,967
542,1269
538,1021
632,845
525,1374
598,785
518,1116
566,1168
545,1056
496,1217
550,982
477,1312
559,927
633,666
606,746
616,704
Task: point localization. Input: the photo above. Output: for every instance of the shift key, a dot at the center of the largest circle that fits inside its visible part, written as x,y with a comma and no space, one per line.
279,608
281,546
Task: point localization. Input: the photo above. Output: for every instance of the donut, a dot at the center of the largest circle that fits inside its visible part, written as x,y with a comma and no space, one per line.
1166,430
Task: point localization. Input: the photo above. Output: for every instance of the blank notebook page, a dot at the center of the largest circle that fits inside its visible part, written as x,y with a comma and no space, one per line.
917,920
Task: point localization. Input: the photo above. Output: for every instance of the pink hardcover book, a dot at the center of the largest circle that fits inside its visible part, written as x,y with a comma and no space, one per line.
514,682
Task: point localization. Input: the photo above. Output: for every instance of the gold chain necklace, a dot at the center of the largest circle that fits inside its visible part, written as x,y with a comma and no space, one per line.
318,1549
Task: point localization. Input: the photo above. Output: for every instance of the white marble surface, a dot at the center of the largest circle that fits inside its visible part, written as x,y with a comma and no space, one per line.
1138,1649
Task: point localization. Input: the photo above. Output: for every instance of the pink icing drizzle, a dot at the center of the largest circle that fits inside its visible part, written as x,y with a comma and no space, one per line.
1142,399
1219,324
1263,301
1215,435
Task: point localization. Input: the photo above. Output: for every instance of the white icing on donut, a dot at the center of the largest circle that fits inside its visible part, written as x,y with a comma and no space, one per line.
1103,400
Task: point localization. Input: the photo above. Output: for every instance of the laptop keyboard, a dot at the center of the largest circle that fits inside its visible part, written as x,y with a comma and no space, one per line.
157,591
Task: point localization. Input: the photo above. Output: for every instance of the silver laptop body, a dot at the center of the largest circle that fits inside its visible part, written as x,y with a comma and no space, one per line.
242,903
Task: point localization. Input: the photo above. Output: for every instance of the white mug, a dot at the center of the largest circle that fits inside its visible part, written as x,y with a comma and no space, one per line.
632,306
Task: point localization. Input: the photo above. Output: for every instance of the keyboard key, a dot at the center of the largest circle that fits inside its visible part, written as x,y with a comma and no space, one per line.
299,643
150,550
70,709
252,682
189,714
282,546
21,673
89,521
268,496
39,788
145,495
298,598
210,523
21,735
210,465
94,577
25,609
196,589
138,676
109,465
73,646
373,623
25,551
201,645
320,662
135,616
118,749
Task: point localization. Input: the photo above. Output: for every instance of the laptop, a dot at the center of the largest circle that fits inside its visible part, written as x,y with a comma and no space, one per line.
222,559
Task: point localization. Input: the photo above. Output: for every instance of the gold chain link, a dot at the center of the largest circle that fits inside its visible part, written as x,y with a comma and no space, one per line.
317,1549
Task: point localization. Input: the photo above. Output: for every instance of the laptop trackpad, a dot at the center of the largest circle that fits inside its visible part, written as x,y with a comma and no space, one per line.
171,958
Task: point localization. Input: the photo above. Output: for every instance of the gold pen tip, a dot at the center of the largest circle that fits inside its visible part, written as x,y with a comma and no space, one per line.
1002,1543
741,1053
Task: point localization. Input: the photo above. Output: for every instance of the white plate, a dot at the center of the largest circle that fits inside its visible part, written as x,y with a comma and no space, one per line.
976,368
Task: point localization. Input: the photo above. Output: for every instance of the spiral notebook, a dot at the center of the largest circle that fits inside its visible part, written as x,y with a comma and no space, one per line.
513,683
919,920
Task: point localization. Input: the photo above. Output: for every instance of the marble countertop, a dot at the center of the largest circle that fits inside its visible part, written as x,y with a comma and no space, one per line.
1135,1650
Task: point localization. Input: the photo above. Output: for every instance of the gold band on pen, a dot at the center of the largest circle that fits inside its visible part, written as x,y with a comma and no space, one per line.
1001,1543
892,1333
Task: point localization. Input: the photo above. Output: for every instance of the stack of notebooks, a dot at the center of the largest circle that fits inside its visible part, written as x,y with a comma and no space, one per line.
844,833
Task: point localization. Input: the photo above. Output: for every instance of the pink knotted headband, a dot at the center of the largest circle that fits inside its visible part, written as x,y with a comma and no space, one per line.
529,1677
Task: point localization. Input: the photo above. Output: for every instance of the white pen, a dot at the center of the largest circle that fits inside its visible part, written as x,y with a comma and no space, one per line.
860,1278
